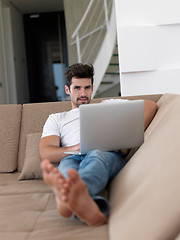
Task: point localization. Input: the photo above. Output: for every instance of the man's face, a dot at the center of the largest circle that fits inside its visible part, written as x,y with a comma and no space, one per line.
80,91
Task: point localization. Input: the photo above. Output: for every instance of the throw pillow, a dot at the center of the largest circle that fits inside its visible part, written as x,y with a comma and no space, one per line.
31,168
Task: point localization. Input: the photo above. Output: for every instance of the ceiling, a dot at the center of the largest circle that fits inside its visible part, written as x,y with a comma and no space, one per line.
37,6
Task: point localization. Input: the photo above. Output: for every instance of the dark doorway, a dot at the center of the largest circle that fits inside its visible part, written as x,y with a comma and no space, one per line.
46,49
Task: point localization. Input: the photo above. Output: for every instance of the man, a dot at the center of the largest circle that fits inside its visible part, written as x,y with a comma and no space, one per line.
78,179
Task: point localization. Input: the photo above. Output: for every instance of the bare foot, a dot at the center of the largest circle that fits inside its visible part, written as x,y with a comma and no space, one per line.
80,202
56,181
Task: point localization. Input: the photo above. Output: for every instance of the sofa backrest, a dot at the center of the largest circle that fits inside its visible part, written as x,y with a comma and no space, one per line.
34,116
10,118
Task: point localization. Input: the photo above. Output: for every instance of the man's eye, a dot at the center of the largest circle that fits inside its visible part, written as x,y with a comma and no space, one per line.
76,88
88,87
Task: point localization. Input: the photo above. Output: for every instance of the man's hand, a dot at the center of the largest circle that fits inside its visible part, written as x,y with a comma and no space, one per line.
76,147
49,148
125,151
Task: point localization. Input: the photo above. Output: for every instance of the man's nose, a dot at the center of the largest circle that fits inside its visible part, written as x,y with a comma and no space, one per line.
83,92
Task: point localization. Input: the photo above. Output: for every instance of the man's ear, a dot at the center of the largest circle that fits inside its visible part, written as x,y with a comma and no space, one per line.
67,90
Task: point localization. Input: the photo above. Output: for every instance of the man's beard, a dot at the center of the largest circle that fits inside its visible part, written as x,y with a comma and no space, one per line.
77,103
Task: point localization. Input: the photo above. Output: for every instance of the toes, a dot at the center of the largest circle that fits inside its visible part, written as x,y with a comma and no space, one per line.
64,192
73,174
46,166
54,170
65,187
64,198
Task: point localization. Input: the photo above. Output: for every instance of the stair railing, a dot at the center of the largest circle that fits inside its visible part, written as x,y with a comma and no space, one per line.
76,34
105,52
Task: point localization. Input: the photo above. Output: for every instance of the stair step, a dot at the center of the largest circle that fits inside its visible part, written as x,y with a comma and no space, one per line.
114,64
112,73
107,82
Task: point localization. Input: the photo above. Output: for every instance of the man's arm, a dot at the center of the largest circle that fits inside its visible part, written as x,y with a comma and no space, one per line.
150,109
49,149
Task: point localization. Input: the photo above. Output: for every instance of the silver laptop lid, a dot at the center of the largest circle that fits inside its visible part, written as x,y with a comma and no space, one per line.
111,126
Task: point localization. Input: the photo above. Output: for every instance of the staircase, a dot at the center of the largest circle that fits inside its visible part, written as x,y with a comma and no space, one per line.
100,38
110,85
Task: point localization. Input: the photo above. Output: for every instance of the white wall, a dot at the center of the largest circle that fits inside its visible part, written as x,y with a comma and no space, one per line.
19,56
149,46
3,92
13,60
9,55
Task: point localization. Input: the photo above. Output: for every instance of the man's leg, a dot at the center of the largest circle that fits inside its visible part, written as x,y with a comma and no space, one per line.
69,162
96,169
56,181
80,202
74,162
72,195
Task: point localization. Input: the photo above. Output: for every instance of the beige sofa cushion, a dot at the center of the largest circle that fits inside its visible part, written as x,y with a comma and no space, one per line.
28,211
145,196
9,136
31,168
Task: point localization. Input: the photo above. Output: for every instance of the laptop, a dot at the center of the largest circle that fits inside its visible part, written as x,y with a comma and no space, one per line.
111,126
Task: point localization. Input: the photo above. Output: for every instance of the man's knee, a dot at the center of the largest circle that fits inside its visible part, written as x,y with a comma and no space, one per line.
96,153
99,157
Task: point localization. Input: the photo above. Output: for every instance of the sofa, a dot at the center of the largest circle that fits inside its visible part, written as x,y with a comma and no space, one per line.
144,196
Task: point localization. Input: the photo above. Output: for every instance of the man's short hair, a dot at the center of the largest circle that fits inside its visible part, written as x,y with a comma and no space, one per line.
79,70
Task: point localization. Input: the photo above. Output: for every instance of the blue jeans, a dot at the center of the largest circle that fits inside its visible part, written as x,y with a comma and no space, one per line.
96,169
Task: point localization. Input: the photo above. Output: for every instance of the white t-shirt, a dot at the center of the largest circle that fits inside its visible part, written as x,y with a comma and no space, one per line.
66,125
